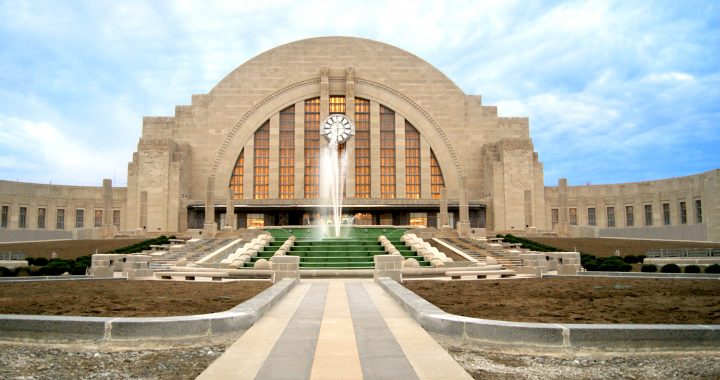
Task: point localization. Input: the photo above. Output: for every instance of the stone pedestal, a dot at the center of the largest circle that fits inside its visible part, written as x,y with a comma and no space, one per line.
388,266
285,267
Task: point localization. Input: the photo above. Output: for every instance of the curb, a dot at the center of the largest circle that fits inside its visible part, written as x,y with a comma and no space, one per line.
627,336
59,328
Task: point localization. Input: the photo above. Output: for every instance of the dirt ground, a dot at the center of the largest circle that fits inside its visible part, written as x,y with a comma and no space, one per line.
607,247
578,300
117,298
67,249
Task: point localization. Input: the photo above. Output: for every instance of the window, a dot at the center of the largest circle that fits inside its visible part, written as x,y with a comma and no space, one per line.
648,215
554,216
22,221
591,216
666,214
698,211
98,218
60,219
236,181
79,216
116,218
412,163
312,148
41,218
437,181
573,216
611,217
262,162
629,216
255,220
4,217
287,153
418,219
363,219
683,213
387,153
362,149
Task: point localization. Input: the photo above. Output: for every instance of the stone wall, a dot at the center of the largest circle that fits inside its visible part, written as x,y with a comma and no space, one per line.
33,197
665,199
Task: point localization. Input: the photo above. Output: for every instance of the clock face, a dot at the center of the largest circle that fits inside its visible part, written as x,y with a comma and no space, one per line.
337,128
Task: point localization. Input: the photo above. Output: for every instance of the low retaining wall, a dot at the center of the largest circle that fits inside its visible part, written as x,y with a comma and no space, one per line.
59,328
625,336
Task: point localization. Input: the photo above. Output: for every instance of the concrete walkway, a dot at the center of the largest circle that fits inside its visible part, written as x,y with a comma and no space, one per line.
335,329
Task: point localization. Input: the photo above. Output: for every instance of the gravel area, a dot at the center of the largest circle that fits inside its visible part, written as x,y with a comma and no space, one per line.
491,362
21,361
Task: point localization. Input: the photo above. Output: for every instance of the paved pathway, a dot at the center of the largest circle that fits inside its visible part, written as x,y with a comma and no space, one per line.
335,329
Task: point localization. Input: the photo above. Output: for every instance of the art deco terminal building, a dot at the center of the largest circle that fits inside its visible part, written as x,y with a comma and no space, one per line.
251,147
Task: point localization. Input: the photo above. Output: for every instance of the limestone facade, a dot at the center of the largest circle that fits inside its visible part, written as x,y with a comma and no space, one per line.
180,176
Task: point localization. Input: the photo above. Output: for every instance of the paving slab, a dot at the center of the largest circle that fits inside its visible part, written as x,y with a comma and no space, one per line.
336,329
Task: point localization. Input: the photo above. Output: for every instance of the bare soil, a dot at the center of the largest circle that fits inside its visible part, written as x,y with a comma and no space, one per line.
67,249
117,298
578,300
607,247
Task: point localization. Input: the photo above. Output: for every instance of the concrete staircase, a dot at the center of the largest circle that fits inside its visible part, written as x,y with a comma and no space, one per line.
191,252
480,250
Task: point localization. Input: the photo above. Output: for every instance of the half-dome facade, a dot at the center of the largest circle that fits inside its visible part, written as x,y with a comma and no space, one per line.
254,140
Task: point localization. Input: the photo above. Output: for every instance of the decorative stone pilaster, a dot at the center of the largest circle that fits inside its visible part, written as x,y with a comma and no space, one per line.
210,227
463,226
230,219
444,222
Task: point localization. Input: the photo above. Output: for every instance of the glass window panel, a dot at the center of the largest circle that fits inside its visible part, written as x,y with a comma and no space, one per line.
41,218
236,181
262,161
362,148
60,219
312,147
437,181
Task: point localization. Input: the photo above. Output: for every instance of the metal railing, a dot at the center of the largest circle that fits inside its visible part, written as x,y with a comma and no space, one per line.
683,252
12,256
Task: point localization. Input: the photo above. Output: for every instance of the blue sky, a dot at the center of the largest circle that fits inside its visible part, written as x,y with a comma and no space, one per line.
616,91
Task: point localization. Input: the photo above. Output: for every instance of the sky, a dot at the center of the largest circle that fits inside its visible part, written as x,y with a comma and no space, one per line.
616,91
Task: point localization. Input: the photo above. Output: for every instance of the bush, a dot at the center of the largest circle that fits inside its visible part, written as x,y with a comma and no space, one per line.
715,268
40,262
648,268
5,272
670,268
692,269
631,259
143,245
614,264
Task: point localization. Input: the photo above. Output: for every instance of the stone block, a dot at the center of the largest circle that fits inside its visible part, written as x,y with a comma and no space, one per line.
544,334
568,269
101,272
643,336
52,328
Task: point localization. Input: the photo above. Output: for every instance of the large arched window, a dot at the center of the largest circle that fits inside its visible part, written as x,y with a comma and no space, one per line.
365,156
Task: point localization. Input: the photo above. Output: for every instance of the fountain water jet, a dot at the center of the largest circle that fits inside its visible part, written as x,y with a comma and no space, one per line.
333,163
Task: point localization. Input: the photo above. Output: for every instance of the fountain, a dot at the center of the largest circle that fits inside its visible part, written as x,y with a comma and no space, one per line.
337,129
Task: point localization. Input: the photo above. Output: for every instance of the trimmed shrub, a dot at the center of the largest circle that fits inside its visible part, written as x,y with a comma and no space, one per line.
692,269
143,245
715,268
5,272
670,268
631,259
614,264
648,268
40,262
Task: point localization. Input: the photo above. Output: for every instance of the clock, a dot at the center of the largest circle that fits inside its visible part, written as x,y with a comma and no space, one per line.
337,128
